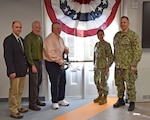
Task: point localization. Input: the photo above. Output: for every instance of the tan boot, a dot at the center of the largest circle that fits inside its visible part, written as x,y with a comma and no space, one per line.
103,100
96,100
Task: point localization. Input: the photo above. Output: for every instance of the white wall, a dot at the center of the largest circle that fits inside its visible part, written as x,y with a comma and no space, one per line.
25,11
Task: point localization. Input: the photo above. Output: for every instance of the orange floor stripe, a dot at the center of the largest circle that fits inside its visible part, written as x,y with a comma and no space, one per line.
87,111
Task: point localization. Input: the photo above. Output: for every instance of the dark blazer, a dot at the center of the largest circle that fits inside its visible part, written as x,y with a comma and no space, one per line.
14,56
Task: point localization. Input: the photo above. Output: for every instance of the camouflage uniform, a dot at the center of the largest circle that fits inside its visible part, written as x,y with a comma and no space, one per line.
127,53
103,58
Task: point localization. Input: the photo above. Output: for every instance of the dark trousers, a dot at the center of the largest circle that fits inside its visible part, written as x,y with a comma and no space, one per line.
58,81
35,80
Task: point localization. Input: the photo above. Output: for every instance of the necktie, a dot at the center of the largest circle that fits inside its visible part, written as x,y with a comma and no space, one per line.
20,42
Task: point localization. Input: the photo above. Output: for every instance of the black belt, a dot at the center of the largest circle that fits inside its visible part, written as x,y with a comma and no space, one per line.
37,60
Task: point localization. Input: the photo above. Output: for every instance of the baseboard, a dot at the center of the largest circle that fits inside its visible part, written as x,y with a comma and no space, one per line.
42,98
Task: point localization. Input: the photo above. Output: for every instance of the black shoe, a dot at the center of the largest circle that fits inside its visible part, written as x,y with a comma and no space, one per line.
131,106
35,108
40,103
119,103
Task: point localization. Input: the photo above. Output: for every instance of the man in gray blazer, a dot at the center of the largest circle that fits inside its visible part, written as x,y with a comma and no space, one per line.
16,64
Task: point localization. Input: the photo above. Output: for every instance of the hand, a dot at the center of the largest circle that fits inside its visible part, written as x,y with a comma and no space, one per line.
13,75
34,70
63,64
133,68
66,50
107,70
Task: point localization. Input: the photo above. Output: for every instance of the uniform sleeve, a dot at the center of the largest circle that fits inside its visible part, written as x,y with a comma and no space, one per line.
137,50
110,56
94,54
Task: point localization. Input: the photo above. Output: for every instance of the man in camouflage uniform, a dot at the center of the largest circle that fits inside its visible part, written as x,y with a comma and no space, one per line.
103,58
127,54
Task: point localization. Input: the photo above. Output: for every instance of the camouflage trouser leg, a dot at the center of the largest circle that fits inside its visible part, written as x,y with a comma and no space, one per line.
131,90
125,75
100,79
119,82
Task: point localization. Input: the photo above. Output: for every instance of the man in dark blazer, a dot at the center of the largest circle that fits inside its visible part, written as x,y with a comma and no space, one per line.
16,64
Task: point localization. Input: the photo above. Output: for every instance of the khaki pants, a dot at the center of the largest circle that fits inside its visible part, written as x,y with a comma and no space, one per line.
15,93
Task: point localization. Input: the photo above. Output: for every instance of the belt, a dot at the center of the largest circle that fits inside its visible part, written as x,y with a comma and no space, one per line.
37,60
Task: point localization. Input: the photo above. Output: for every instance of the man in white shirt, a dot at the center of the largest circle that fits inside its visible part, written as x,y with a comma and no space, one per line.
53,49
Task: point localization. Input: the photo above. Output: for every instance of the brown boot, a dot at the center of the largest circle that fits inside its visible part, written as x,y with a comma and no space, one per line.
96,100
103,100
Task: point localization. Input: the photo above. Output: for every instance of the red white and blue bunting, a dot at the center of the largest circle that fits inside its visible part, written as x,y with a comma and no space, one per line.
82,17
